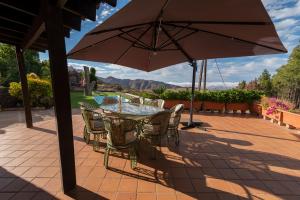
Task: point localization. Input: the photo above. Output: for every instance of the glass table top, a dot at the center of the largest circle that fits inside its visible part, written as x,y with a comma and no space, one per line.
131,109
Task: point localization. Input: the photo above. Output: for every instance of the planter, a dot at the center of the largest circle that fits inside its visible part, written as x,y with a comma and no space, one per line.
291,120
243,107
255,108
209,105
169,103
275,117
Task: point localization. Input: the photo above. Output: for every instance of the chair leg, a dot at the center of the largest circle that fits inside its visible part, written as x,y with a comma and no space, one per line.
86,135
133,157
106,156
96,145
176,137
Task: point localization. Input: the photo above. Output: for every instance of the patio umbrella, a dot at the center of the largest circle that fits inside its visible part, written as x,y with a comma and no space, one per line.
150,35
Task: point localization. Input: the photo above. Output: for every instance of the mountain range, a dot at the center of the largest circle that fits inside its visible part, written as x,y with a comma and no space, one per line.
138,84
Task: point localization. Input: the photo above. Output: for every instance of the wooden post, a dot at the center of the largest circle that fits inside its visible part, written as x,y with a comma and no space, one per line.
61,94
24,84
200,75
205,71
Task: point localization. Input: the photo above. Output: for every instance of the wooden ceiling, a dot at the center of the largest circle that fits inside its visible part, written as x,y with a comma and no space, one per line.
22,22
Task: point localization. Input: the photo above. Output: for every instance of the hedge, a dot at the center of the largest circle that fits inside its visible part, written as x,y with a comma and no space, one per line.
222,96
39,90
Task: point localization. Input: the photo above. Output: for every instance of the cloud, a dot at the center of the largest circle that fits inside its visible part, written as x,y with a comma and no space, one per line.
291,9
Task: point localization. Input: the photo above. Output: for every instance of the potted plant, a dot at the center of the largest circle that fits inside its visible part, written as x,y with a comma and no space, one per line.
236,100
173,98
214,100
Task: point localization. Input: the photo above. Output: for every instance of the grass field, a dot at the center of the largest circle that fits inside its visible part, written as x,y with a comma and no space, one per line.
77,97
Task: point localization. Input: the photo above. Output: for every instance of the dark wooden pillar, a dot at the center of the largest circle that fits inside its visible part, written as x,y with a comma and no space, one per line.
61,94
24,84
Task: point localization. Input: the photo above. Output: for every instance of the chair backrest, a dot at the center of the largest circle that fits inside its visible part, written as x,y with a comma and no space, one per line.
117,129
136,100
87,116
151,102
110,100
176,113
158,122
161,103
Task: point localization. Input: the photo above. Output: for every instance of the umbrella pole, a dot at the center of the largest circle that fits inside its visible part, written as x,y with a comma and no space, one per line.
194,65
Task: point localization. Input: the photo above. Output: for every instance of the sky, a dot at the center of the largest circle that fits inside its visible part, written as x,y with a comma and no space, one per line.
284,13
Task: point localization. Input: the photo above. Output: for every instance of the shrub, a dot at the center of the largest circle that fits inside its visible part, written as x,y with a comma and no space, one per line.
159,90
176,95
222,96
39,90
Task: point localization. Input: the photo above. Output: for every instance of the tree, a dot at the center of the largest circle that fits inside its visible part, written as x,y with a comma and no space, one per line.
88,85
93,77
8,64
287,79
265,83
242,85
252,85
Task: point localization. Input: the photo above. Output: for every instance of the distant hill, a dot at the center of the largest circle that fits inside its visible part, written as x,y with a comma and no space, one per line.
138,84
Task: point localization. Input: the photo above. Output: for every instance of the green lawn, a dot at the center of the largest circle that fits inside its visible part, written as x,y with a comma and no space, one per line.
79,97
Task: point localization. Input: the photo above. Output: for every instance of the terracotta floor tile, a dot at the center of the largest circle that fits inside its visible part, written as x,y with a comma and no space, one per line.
6,196
128,185
33,171
49,172
186,196
239,157
110,185
126,195
276,187
24,196
183,185
36,184
145,186
206,196
146,196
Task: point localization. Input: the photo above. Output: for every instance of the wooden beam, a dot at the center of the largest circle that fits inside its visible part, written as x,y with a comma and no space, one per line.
83,8
24,84
61,94
37,27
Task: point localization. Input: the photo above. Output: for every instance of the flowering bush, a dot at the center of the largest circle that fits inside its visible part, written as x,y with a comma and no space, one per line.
273,104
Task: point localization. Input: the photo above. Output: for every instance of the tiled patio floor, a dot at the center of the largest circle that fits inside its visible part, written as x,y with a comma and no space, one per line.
239,157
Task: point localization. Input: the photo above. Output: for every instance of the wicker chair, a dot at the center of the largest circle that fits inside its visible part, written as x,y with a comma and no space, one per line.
93,125
154,102
174,122
135,100
121,134
155,128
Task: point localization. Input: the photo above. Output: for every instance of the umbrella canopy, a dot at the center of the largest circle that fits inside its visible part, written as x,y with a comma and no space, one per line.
149,35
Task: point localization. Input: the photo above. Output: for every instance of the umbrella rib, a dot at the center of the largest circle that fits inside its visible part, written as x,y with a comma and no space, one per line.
179,31
96,43
180,38
132,41
230,37
132,44
119,28
141,42
179,47
254,23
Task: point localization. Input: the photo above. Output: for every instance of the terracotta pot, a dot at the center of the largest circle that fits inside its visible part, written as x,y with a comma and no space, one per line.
277,115
209,105
170,103
292,120
243,107
255,108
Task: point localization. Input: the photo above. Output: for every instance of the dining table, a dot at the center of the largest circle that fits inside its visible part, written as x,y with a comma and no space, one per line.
131,110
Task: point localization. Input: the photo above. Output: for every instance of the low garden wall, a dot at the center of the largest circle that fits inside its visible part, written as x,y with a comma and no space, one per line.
221,101
280,112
